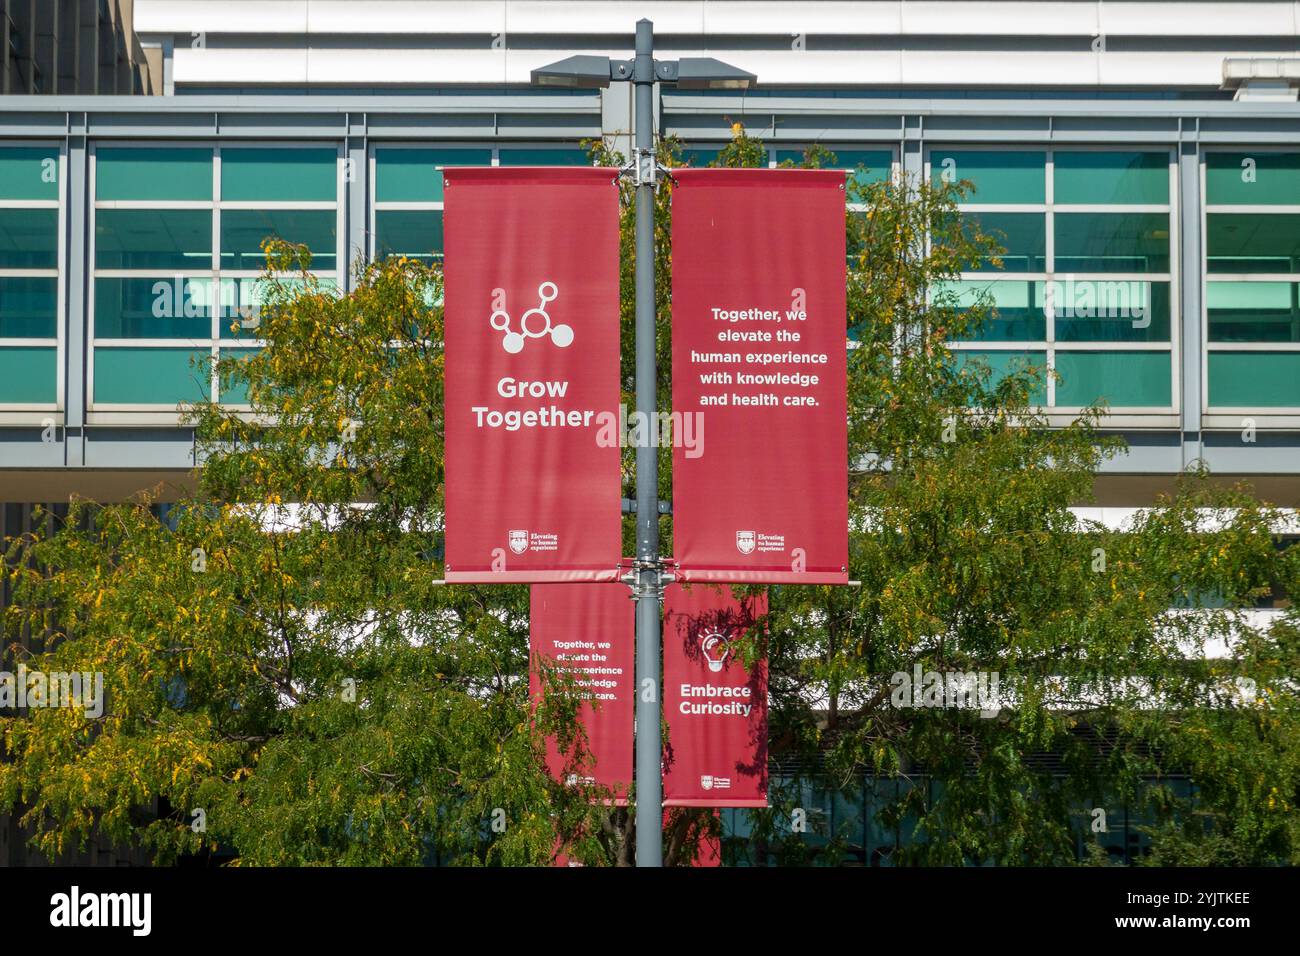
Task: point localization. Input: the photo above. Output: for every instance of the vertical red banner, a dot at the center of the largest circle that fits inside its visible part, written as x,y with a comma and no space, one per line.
589,633
716,708
760,376
533,487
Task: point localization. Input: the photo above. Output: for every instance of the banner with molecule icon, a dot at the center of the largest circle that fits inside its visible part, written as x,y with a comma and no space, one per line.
716,707
586,633
533,486
760,376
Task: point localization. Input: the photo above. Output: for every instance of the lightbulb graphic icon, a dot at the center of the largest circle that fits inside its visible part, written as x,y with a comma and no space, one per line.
716,650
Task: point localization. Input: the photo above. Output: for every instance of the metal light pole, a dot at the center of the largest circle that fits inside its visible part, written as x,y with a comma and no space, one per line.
648,579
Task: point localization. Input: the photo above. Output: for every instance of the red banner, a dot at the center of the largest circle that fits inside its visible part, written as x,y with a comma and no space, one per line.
716,754
533,487
759,357
588,632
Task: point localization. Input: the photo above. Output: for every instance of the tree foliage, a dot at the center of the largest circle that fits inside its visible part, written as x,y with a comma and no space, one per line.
278,653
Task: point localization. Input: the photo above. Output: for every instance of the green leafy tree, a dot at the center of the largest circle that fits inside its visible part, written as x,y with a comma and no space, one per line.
321,698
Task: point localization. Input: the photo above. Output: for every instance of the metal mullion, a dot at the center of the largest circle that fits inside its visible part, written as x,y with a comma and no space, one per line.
32,203
153,204
1254,346
1254,208
1113,208
1287,277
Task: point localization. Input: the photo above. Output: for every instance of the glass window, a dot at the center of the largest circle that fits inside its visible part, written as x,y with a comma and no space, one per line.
243,231
296,174
1112,242
153,239
29,172
1110,310
1100,177
28,376
1139,379
1023,236
1258,178
241,299
867,165
699,157
1081,299
29,307
153,173
29,238
1236,242
134,308
1001,363
151,376
1016,308
234,392
416,234
542,156
1253,311
415,175
998,177
1254,379
154,218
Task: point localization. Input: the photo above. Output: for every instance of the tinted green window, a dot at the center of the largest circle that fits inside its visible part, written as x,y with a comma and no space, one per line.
1109,310
416,234
234,392
28,375
243,230
282,175
1000,364
1251,243
1023,236
1253,311
1110,177
1112,242
29,307
153,239
1259,178
151,376
415,175
241,300
29,238
1120,379
544,157
159,308
1017,309
699,157
998,177
29,172
1254,379
876,164
153,173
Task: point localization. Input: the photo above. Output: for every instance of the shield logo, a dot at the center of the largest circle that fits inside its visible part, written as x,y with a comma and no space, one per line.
706,781
518,541
745,542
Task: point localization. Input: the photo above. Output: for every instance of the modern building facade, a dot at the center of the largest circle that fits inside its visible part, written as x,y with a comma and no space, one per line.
76,46
1141,161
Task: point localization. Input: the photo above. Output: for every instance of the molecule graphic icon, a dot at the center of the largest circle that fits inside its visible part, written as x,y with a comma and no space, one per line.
535,324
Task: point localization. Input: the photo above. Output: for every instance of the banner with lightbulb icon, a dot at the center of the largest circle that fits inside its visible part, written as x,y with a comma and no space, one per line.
715,754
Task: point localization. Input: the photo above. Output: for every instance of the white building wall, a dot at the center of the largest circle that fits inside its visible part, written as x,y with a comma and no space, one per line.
1078,43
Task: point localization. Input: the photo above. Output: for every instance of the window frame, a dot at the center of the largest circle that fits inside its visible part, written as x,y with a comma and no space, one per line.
1121,416
110,413
1232,416
374,206
44,414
